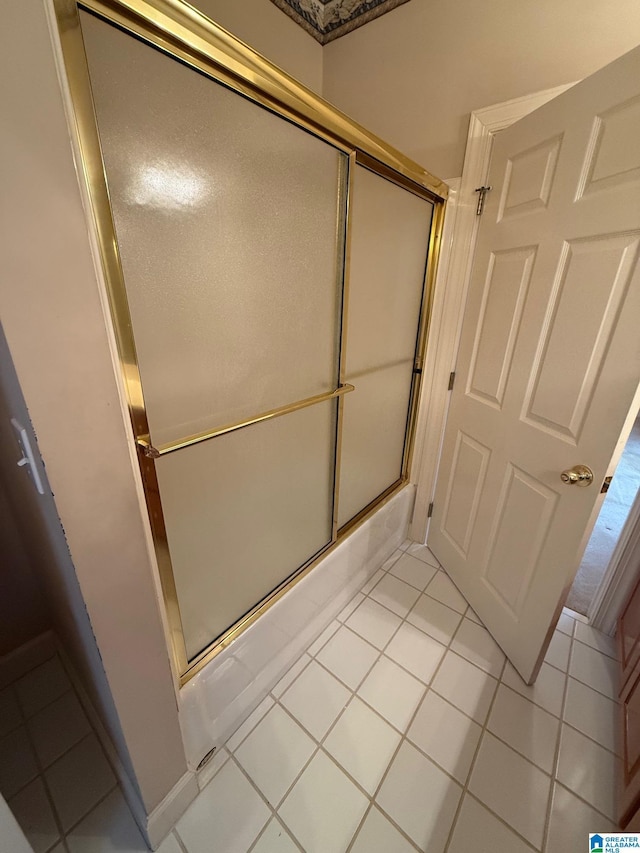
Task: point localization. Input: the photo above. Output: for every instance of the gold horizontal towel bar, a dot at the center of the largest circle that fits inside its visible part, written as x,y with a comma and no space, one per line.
144,442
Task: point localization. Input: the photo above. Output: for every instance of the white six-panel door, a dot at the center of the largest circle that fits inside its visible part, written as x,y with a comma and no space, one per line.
549,362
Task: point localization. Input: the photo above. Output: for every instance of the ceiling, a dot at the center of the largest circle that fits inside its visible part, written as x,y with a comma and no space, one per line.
327,20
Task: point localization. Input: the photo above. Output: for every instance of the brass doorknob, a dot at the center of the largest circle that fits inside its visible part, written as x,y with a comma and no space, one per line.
579,475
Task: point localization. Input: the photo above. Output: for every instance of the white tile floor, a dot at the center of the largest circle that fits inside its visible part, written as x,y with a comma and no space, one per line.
402,728
54,773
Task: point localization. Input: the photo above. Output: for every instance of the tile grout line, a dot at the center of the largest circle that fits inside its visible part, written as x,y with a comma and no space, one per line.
41,772
275,817
413,586
405,738
98,803
32,667
342,619
563,723
65,834
485,727
403,735
553,777
595,689
181,845
557,780
427,686
372,800
50,703
575,677
24,720
465,787
529,760
559,720
313,657
381,653
615,659
317,742
593,808
556,757
263,797
320,743
48,767
568,677
468,792
501,820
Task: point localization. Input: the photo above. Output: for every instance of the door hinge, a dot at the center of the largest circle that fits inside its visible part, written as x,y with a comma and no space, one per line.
482,191
430,510
452,379
605,485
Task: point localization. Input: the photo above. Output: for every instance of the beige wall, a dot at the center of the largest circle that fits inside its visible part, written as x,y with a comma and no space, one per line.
55,327
272,33
414,75
54,323
23,614
43,592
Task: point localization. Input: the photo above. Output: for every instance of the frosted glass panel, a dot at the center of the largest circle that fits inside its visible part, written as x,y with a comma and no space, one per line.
375,420
244,511
227,220
389,242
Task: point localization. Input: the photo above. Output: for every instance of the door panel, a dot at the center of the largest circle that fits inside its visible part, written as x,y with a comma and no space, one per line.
549,360
591,281
523,514
612,160
504,295
528,179
466,483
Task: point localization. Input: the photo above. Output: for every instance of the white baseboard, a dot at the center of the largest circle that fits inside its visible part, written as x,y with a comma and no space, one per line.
129,787
155,826
165,815
28,656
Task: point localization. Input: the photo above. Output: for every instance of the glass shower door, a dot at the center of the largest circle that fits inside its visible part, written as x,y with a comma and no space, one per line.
229,222
390,229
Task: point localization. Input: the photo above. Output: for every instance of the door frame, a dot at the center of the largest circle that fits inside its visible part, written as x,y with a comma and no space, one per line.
619,576
450,294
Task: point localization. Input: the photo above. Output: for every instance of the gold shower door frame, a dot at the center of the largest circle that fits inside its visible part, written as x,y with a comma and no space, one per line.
183,33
